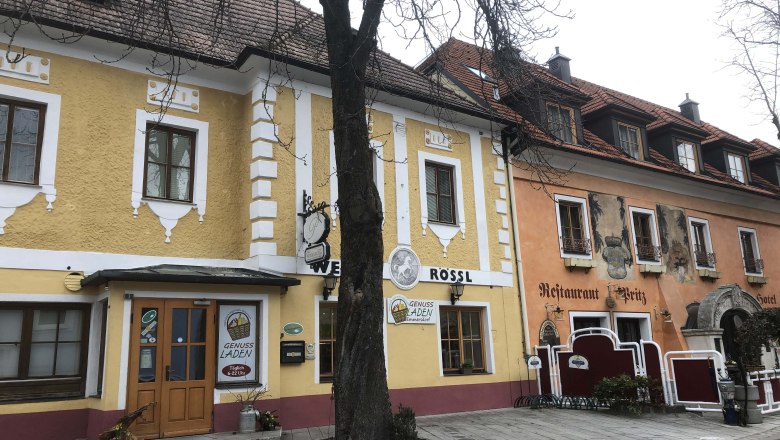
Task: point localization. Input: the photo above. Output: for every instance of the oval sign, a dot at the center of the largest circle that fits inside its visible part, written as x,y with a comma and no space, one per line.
149,316
236,370
293,328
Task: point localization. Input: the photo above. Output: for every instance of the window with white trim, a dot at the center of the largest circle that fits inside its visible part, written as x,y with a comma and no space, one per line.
581,320
701,243
751,256
462,339
439,191
644,227
736,167
328,348
573,228
21,139
686,155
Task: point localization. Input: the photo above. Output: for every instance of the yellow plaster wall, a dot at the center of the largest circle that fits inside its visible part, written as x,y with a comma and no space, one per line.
94,170
460,252
283,188
492,193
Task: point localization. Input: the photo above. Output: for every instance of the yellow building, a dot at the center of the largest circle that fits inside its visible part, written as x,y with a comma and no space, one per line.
159,257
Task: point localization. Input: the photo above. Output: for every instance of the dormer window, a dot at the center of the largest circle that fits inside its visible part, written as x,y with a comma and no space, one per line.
686,155
630,140
736,167
482,75
560,122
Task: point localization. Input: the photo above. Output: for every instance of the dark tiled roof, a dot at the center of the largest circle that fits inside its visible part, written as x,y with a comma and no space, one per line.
763,150
455,54
279,29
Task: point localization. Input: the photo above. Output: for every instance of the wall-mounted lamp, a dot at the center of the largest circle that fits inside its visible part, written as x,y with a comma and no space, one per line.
556,310
456,291
330,284
664,313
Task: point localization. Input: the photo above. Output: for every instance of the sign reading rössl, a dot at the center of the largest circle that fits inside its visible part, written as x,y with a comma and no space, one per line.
401,310
237,346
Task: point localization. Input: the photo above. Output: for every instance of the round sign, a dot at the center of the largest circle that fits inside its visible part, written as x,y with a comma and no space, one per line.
404,268
149,316
316,227
293,328
236,370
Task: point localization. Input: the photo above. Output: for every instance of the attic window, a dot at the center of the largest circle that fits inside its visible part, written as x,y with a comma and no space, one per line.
630,140
736,167
686,155
482,75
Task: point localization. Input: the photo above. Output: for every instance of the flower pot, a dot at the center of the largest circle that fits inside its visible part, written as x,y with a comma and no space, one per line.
466,370
247,419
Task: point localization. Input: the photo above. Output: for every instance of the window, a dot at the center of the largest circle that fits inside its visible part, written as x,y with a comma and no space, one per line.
702,246
572,226
462,339
21,139
560,122
633,327
580,320
750,253
686,155
482,75
329,356
630,140
736,167
645,235
42,351
169,163
439,190
586,322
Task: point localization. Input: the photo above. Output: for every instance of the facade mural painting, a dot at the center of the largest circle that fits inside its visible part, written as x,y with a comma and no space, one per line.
610,234
675,245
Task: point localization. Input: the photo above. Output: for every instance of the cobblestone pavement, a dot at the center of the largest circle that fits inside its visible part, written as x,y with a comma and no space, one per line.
558,424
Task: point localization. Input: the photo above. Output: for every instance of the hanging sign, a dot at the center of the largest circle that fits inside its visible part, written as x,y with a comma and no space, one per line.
316,227
534,363
401,310
579,362
237,346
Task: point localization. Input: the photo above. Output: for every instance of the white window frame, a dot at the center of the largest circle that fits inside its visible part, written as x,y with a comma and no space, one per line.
333,298
688,160
14,195
626,147
653,227
736,167
169,211
487,329
603,318
645,327
585,224
707,240
754,240
444,232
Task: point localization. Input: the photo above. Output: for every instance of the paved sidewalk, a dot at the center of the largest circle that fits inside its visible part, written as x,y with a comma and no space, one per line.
558,424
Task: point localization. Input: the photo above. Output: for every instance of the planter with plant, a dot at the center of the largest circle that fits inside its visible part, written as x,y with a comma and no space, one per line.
629,395
467,367
249,415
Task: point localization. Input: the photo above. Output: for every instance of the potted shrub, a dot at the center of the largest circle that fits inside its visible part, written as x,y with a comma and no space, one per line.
467,367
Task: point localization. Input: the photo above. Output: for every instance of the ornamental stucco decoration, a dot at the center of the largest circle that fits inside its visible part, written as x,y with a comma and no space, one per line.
721,300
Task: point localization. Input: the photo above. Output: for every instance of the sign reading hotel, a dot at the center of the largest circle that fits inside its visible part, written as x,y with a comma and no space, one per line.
401,310
237,345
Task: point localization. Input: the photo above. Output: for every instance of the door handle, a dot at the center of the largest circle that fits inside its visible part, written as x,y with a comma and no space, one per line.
167,373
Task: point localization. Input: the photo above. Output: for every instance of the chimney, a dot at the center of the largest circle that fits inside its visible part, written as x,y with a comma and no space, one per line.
559,66
690,109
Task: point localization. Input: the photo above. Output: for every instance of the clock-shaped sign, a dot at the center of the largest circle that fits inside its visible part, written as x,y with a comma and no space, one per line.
316,227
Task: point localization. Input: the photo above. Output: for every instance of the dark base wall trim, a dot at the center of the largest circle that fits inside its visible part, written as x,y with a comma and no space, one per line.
60,425
318,410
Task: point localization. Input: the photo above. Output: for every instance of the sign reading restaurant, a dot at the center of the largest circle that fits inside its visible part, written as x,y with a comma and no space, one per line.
557,291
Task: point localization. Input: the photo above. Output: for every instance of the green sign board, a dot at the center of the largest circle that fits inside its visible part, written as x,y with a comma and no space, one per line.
293,328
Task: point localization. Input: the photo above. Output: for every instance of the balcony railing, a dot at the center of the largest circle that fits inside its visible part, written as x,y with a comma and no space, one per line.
572,245
648,252
704,258
754,265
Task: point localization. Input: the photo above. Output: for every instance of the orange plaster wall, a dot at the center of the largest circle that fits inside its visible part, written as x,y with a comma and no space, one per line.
542,262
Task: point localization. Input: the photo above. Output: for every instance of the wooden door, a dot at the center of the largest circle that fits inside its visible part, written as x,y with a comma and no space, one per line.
172,363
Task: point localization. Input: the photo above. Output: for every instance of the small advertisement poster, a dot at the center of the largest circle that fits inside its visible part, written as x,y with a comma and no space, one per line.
237,346
402,310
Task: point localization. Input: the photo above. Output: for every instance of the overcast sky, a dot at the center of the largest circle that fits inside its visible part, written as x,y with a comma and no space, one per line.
655,50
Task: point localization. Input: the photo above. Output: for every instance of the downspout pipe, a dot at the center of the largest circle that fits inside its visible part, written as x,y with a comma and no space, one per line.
517,252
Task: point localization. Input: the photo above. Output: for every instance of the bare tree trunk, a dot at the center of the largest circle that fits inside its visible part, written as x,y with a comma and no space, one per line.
362,400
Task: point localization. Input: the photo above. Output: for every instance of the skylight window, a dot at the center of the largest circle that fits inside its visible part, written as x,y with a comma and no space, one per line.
482,75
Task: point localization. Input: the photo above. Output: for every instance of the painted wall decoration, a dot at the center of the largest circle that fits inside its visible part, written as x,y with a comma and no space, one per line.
548,334
237,345
675,247
404,268
610,235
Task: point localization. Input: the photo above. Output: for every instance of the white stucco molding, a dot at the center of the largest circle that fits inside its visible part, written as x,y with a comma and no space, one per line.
445,233
170,212
14,195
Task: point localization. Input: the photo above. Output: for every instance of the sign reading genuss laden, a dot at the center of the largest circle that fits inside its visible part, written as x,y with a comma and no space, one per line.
237,345
402,310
